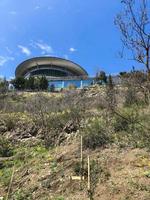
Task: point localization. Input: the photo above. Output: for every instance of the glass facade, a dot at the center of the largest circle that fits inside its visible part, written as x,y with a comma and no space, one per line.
49,72
66,83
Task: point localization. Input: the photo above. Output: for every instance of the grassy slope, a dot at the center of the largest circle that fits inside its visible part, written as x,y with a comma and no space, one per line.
44,174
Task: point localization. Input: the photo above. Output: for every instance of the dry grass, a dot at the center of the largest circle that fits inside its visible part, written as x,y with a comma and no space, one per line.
48,178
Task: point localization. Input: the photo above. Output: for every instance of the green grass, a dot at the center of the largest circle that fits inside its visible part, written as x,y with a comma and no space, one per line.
59,198
5,176
25,157
22,195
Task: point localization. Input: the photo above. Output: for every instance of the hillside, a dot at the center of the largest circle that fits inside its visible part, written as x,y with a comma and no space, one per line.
40,144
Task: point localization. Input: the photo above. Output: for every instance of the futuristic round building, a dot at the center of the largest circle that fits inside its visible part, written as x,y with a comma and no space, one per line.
51,67
58,71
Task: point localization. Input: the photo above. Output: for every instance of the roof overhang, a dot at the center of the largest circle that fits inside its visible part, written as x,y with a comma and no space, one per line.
30,64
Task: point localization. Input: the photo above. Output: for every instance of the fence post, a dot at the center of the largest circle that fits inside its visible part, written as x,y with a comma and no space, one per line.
81,158
89,185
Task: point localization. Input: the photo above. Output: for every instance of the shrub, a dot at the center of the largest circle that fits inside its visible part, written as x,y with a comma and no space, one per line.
56,123
58,120
5,175
43,83
19,83
21,195
110,95
101,77
131,97
126,120
10,123
131,129
3,86
72,87
97,174
39,83
77,168
6,149
12,119
95,134
121,124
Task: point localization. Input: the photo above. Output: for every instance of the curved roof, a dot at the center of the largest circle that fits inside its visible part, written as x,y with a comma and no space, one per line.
30,64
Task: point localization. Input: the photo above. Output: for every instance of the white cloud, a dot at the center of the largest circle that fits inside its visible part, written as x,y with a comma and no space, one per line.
37,7
4,59
72,49
24,50
48,55
8,50
46,49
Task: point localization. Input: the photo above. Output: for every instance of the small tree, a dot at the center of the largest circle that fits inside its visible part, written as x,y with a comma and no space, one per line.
110,95
37,83
134,25
19,83
3,85
95,134
30,83
110,82
135,82
123,74
43,83
101,77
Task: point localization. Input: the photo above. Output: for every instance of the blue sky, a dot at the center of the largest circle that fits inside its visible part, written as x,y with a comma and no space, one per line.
80,30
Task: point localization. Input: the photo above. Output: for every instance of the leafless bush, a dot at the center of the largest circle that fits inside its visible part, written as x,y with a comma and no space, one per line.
110,95
136,88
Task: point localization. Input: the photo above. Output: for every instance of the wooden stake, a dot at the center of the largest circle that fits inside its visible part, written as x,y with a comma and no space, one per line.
10,184
81,157
89,184
89,180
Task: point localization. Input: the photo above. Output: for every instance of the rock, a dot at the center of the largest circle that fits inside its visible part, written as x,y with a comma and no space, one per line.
60,157
32,141
70,127
32,130
62,137
22,132
8,135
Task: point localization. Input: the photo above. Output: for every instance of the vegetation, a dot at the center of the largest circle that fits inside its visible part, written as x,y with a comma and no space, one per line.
112,120
6,149
3,86
95,134
33,83
101,77
133,23
78,144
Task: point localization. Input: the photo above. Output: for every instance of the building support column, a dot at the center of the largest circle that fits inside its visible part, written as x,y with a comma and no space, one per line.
81,84
63,84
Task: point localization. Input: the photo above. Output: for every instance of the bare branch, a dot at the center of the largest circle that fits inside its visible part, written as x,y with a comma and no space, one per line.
134,25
